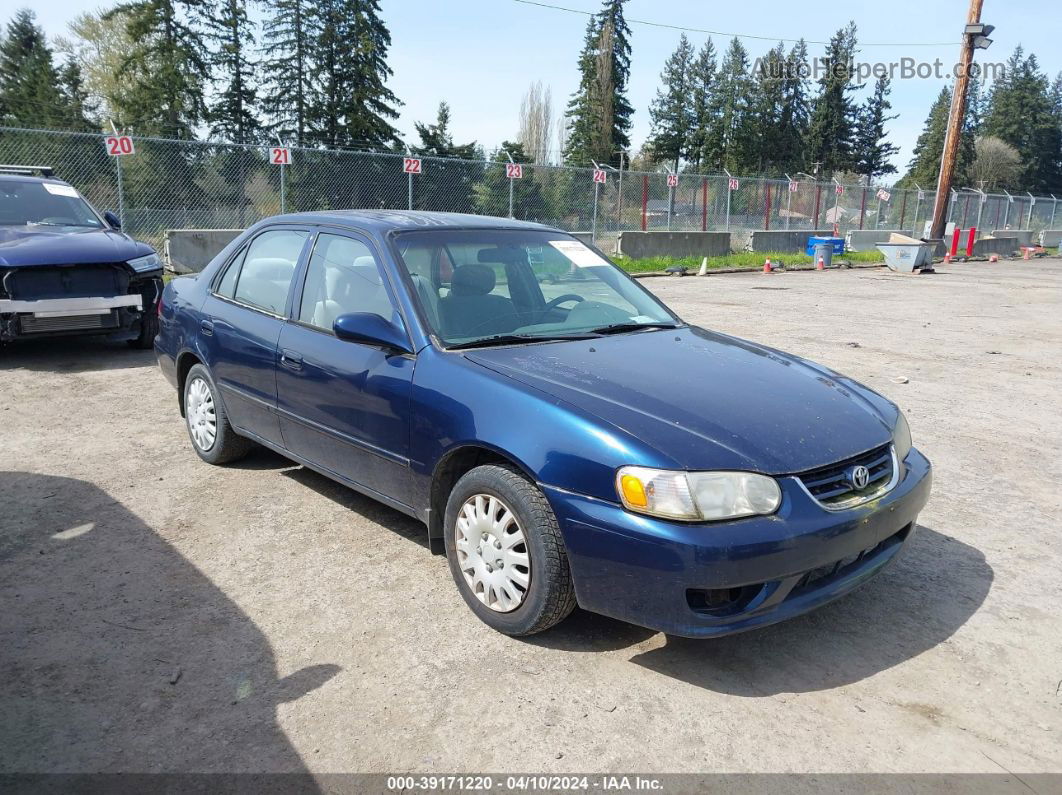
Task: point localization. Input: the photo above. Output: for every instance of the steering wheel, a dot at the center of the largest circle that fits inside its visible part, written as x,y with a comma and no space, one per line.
549,307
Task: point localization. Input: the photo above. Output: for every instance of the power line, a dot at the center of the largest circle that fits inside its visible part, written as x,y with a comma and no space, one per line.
689,29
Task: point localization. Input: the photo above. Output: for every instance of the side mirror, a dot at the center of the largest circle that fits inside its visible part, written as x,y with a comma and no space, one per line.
371,329
112,220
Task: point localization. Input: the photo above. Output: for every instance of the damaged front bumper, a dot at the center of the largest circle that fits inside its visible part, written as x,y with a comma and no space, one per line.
63,316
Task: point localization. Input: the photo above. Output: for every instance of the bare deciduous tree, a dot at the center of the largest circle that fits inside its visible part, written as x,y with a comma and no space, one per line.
536,122
996,163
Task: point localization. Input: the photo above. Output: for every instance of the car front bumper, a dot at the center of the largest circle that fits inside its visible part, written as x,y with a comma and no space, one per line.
707,580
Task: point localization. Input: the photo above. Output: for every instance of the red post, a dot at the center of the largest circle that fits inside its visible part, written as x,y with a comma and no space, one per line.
645,201
818,203
862,209
903,209
955,242
970,241
767,209
704,204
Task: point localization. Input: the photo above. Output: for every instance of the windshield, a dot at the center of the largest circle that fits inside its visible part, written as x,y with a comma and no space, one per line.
44,204
474,285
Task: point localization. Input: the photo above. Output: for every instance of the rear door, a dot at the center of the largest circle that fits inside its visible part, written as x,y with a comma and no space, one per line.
344,406
242,320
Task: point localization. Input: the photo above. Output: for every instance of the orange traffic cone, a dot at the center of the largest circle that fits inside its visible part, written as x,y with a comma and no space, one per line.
767,266
947,257
994,258
820,265
1026,252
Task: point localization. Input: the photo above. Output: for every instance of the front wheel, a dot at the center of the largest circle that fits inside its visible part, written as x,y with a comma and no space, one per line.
506,553
149,328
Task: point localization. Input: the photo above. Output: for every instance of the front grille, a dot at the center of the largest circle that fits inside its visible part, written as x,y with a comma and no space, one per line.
46,325
832,486
65,281
823,574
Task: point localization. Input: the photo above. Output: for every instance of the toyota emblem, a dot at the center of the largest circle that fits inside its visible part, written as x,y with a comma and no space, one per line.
859,477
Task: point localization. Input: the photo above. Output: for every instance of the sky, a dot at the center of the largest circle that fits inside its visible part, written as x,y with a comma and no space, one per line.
481,55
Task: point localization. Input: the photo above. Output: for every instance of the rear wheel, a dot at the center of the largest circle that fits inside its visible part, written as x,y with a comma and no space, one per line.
506,553
212,436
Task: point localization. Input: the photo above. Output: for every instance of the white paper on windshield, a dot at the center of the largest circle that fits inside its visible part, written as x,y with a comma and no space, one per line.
580,255
60,190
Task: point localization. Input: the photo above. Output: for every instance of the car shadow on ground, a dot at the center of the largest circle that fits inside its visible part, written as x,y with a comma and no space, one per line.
119,654
920,601
72,355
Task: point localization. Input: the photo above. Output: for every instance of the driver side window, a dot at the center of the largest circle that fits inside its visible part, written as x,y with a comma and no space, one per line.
342,277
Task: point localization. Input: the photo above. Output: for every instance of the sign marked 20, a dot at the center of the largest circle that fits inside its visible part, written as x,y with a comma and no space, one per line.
119,145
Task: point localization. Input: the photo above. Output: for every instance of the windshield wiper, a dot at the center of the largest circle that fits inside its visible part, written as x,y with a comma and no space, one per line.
620,328
509,339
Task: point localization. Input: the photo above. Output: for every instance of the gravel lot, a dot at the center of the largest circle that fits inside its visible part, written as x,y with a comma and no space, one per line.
159,614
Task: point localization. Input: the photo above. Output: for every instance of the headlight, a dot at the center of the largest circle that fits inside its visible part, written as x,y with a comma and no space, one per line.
151,262
691,496
901,437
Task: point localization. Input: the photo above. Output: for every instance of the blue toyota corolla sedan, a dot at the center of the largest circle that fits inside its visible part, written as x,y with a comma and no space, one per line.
564,437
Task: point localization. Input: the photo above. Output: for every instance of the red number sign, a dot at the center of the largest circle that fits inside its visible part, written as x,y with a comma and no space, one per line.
839,190
884,195
514,170
280,156
119,145
411,165
672,180
600,175
794,187
734,184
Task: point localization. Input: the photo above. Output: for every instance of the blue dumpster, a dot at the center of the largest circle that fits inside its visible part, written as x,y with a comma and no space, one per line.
836,242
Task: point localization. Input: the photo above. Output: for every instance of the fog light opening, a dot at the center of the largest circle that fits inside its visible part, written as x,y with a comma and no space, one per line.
722,601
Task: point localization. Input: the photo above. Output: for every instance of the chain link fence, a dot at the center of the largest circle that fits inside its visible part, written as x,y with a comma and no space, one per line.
168,184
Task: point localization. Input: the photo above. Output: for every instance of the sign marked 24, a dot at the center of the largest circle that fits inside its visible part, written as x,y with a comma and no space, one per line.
119,145
600,175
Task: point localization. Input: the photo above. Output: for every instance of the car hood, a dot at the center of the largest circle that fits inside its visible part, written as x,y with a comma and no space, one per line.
706,400
26,246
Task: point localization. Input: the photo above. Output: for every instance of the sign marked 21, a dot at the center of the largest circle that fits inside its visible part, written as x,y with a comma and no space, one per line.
280,156
119,145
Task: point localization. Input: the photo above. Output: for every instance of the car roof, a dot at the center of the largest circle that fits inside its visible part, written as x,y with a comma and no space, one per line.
9,177
383,221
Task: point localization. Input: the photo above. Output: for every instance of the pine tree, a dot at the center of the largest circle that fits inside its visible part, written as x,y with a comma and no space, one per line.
796,110
167,66
289,35
443,186
599,113
233,114
1021,113
765,112
29,82
353,104
872,149
924,168
726,142
834,114
702,83
492,194
671,111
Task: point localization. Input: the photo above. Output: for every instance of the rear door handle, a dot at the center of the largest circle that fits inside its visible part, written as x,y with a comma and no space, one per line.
207,327
290,359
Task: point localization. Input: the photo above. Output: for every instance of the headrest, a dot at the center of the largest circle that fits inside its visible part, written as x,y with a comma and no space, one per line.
472,280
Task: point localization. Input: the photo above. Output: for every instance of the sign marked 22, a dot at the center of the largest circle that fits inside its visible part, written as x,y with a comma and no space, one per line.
280,156
119,145
411,165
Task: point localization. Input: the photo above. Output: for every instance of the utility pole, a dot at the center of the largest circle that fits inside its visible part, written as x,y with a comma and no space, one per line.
974,37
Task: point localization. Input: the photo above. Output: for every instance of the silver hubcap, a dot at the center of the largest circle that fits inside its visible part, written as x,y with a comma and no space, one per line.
492,553
199,410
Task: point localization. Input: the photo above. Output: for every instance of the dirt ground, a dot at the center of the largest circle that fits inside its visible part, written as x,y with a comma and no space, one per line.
159,614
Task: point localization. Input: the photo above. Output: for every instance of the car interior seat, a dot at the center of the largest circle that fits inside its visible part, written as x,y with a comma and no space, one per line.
470,309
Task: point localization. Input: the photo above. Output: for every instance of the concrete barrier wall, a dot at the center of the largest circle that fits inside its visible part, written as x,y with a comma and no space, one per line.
1051,238
674,244
189,250
1003,246
867,239
783,241
1024,236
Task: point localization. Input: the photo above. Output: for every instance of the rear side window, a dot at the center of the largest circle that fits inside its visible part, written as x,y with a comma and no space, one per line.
268,267
227,285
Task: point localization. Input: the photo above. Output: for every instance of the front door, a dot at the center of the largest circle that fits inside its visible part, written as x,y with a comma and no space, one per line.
344,406
241,323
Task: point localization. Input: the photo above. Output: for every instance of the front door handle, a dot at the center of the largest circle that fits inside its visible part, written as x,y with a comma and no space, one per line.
290,359
207,327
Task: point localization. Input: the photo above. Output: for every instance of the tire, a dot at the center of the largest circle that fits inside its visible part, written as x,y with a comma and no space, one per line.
225,444
149,328
549,595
